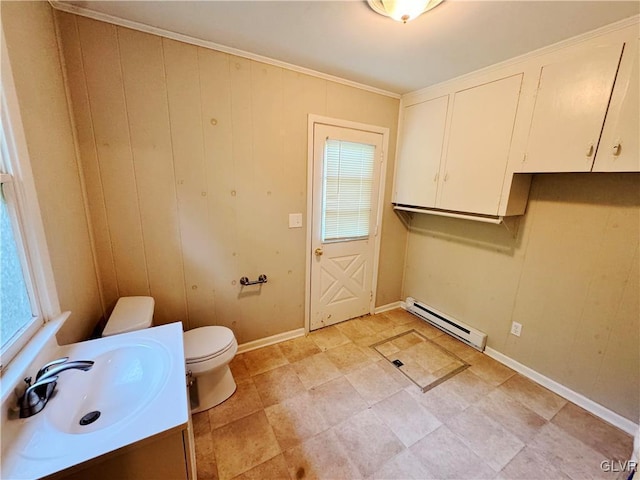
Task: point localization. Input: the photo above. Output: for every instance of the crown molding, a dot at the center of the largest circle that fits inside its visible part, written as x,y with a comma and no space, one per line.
598,32
104,17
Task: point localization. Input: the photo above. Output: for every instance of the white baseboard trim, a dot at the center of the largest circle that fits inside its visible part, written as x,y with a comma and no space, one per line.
598,410
299,332
265,342
389,306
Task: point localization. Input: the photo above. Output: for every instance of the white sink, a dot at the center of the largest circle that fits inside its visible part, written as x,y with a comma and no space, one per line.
121,382
137,383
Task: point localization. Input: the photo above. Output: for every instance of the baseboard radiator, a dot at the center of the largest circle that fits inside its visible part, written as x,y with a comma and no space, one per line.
461,331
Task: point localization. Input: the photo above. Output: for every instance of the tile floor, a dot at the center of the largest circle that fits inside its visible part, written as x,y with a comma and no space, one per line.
328,406
426,363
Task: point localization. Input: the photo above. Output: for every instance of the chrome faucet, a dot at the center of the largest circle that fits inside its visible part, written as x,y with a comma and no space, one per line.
37,395
54,368
47,366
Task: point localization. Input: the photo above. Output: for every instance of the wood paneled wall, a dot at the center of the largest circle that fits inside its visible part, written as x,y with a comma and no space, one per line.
193,160
570,277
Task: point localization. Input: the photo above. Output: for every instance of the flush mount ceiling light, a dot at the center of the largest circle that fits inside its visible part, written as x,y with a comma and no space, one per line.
402,10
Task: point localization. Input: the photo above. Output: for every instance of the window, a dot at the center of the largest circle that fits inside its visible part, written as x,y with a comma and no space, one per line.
15,306
18,314
346,196
28,295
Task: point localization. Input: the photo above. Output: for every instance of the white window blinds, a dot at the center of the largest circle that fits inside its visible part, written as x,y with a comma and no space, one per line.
346,196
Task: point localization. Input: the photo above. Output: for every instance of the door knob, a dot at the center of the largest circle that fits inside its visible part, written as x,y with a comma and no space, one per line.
319,251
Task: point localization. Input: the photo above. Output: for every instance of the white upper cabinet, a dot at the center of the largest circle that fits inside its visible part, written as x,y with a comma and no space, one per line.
469,145
571,102
420,150
478,146
618,150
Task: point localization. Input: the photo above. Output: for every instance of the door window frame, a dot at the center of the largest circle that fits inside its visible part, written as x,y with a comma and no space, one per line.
314,120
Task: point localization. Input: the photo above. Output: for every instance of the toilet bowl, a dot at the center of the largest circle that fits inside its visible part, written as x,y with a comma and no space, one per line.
207,350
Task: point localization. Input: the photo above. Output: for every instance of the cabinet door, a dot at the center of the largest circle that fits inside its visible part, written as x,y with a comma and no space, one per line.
571,103
420,150
478,146
618,150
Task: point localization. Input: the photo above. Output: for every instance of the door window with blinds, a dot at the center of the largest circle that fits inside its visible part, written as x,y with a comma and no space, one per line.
346,190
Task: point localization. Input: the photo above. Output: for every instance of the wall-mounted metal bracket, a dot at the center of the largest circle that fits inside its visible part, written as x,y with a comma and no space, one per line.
261,279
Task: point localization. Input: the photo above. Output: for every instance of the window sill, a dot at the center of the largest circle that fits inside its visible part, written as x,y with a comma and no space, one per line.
39,345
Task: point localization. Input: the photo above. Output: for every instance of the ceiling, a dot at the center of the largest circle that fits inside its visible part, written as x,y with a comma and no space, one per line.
349,40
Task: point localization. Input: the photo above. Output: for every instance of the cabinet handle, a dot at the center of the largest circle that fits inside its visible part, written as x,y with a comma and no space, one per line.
590,150
616,149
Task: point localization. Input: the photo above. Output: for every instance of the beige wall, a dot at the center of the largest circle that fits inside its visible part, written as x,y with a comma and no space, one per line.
193,160
182,206
570,277
33,52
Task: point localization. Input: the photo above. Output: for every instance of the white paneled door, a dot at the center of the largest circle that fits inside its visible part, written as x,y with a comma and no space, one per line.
346,182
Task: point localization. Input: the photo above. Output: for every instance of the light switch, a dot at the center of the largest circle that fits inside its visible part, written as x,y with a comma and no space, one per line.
295,220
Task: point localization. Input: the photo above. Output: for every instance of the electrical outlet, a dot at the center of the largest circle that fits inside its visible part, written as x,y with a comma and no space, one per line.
516,329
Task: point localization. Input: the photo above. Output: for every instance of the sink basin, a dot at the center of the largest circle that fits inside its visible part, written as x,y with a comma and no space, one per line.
121,382
137,384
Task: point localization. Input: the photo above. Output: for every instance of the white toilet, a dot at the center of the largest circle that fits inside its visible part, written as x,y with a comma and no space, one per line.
207,350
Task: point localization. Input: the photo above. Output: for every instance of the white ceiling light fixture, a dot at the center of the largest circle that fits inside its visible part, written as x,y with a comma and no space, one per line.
402,10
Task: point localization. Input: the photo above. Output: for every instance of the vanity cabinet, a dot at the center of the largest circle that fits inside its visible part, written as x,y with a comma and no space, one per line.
574,89
478,144
618,150
420,152
167,456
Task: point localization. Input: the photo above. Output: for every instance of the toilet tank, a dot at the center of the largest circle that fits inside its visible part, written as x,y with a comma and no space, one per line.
129,314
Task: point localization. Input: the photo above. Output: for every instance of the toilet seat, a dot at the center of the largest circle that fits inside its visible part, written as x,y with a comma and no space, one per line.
205,343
